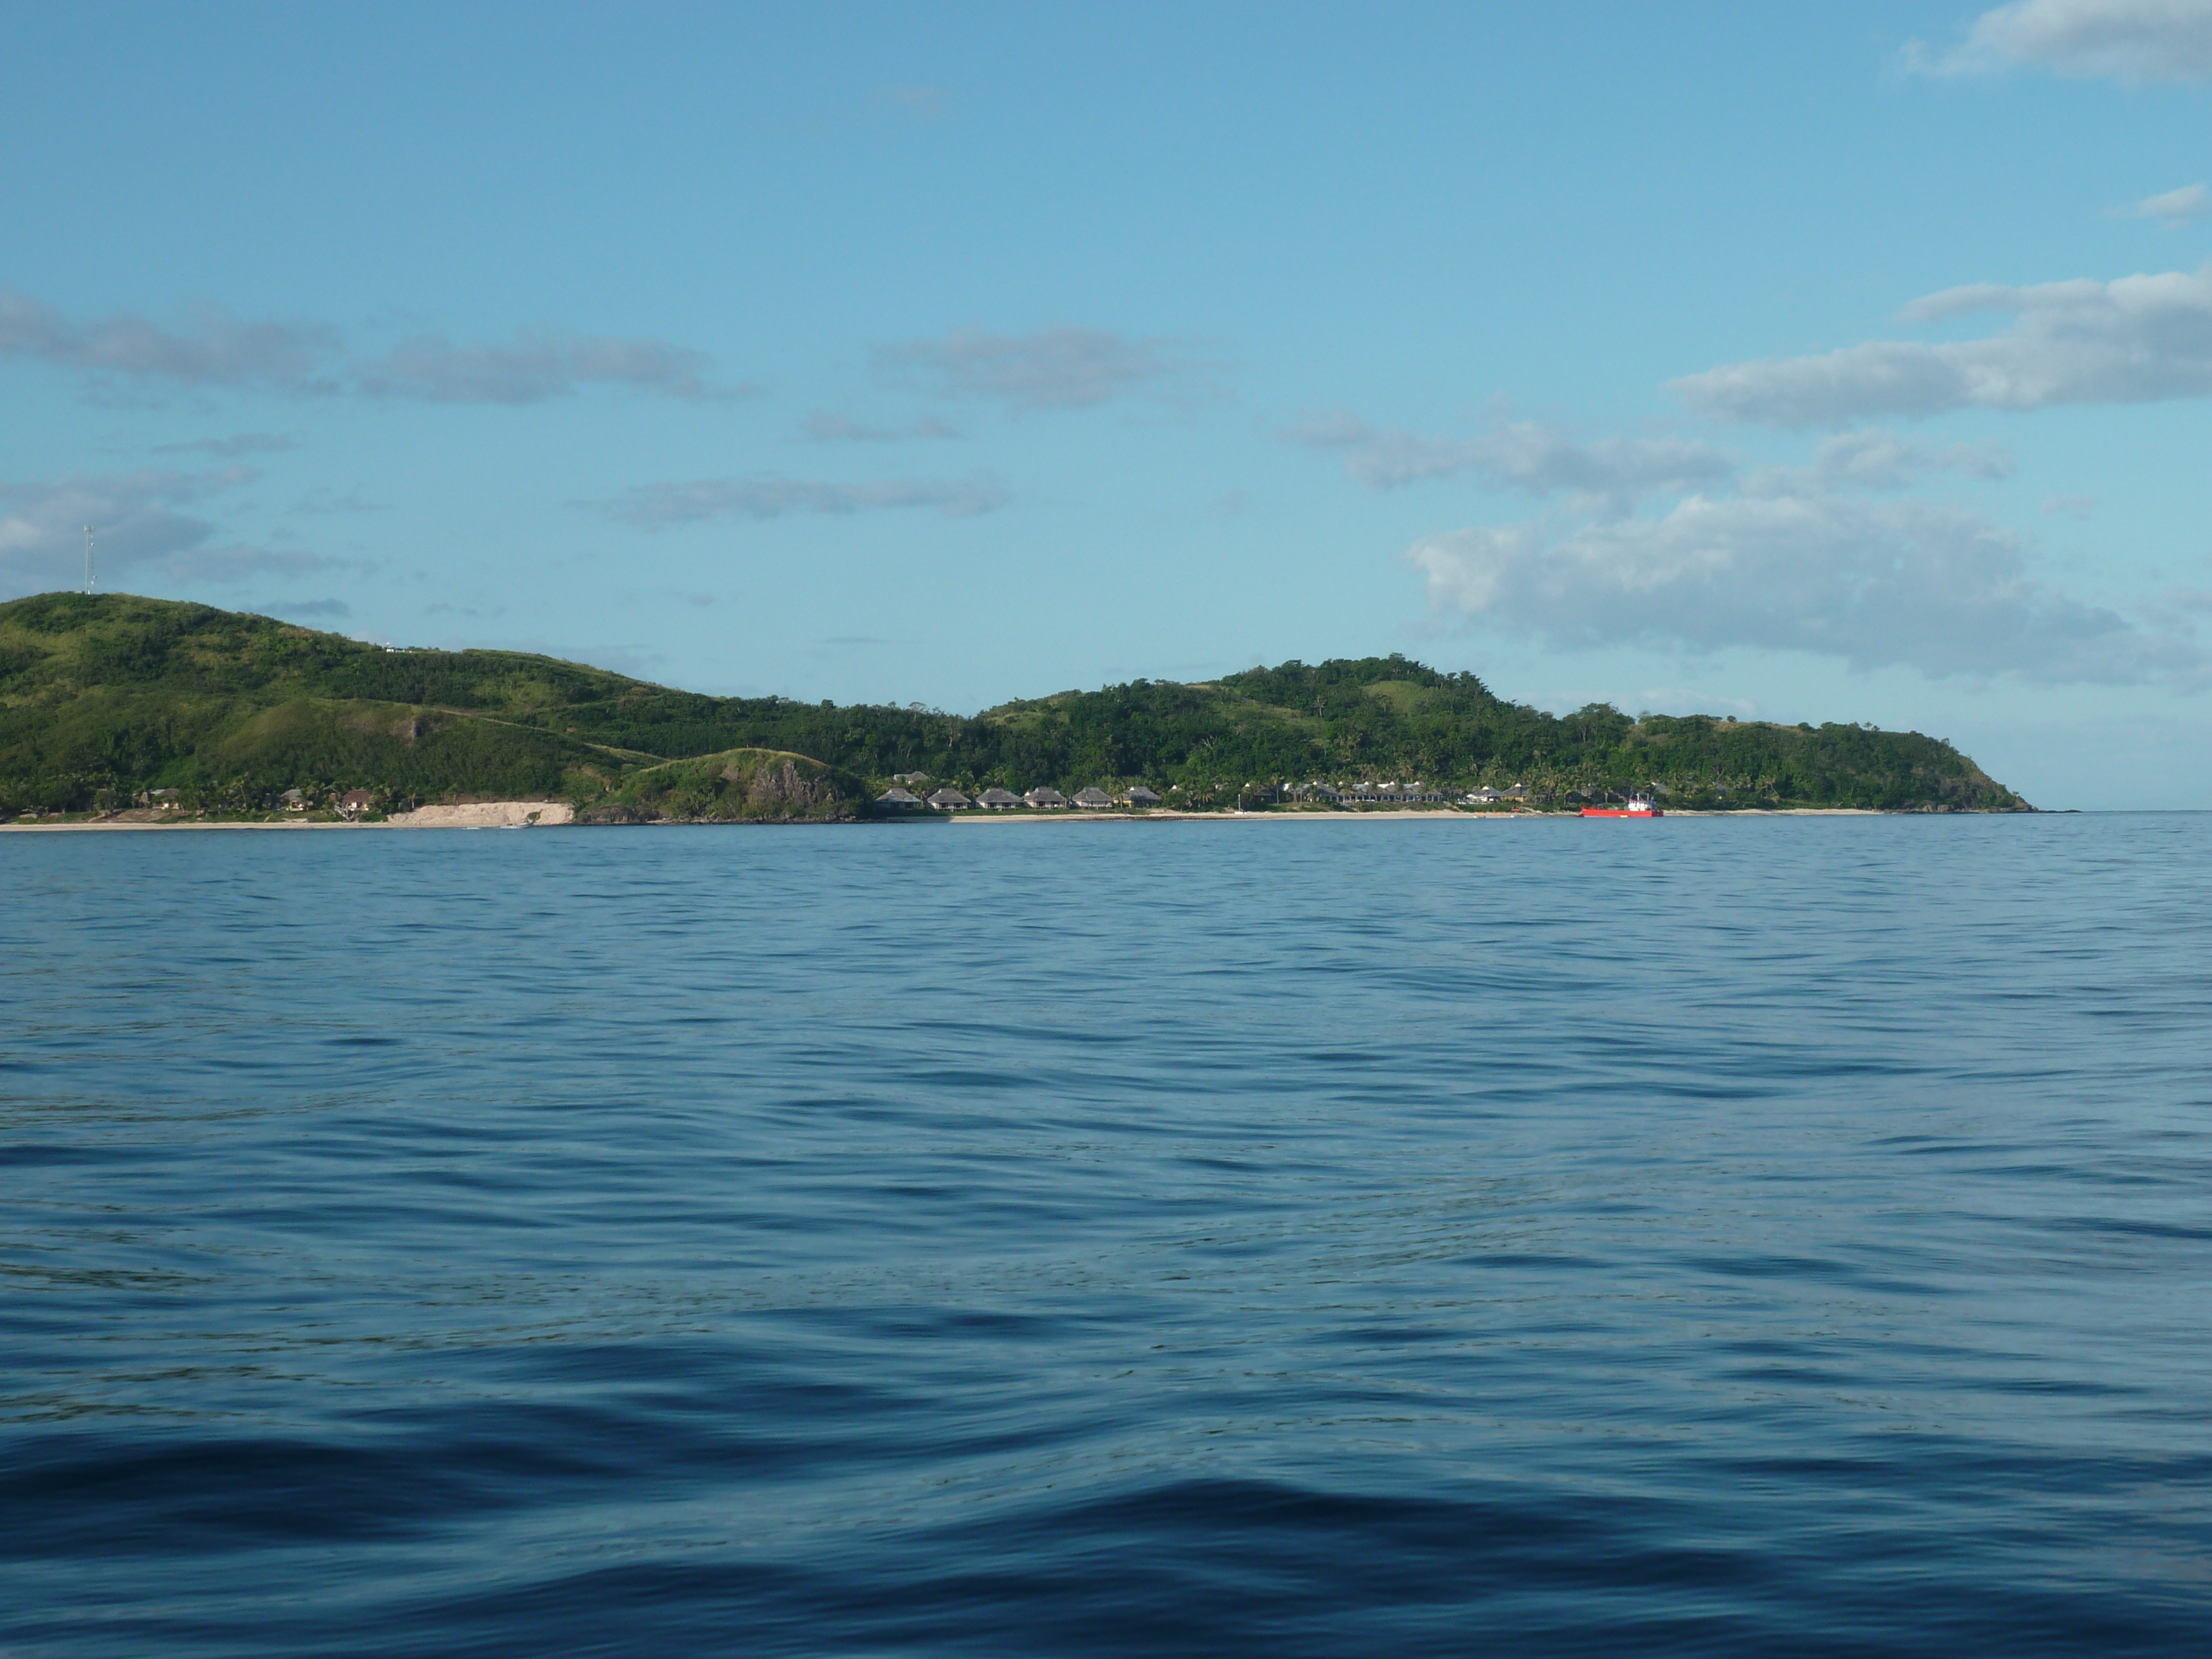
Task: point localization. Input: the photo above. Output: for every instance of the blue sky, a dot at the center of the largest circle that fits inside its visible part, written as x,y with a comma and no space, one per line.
1820,362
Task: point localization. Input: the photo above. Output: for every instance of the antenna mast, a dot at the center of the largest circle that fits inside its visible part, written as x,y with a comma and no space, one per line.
88,558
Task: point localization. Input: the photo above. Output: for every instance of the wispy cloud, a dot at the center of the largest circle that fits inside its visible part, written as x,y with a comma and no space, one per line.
2174,209
1877,460
2124,40
657,506
324,499
1050,369
1878,584
140,520
136,516
243,563
206,347
823,426
922,103
533,368
1521,454
1690,700
241,443
2138,339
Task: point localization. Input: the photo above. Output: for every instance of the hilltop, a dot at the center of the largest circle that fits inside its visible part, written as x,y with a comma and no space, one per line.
105,696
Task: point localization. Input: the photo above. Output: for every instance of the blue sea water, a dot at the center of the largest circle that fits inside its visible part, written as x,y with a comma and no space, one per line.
1701,1236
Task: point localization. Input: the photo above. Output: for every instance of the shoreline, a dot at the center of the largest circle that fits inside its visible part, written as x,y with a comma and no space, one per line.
469,815
547,815
1429,814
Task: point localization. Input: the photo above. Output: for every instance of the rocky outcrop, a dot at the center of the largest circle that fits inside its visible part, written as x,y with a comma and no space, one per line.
785,791
738,786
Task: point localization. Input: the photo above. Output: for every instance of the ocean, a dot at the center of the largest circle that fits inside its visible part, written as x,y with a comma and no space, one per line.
1718,1236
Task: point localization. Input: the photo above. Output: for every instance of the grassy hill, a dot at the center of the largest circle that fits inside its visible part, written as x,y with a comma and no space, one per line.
102,696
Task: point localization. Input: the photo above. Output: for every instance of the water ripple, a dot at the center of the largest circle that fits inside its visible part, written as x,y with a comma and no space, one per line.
1746,1237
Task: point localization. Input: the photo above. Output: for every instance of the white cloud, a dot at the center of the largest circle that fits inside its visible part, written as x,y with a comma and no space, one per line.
2174,208
1521,454
209,347
2136,339
1875,583
531,369
656,506
2126,40
1050,368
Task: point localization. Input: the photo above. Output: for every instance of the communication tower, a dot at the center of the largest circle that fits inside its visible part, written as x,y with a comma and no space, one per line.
88,558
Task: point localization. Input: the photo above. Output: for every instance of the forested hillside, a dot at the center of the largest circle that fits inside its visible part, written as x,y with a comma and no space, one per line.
104,696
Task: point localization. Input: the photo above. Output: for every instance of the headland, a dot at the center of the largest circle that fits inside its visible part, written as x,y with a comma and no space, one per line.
117,710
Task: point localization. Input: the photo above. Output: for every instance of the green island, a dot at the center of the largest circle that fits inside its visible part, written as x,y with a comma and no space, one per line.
116,706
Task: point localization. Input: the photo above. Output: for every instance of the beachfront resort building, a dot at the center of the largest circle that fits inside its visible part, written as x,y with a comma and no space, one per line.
1388,793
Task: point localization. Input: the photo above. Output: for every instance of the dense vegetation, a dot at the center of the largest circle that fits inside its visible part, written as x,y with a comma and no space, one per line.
104,696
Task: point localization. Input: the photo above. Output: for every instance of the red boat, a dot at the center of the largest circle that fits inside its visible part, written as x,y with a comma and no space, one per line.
1639,806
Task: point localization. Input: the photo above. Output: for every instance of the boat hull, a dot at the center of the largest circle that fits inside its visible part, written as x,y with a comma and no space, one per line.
1622,812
